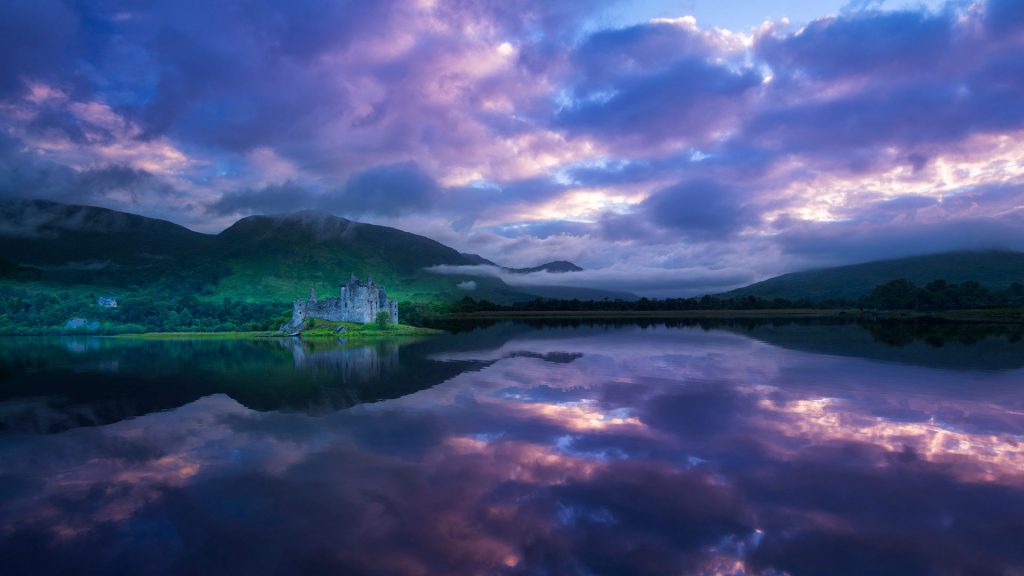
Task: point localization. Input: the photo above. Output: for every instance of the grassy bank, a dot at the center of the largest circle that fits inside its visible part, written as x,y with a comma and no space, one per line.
324,329
321,330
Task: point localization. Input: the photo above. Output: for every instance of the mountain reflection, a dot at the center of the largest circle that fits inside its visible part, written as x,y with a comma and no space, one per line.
556,449
53,384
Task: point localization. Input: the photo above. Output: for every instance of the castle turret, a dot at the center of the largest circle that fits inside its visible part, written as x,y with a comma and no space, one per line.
356,302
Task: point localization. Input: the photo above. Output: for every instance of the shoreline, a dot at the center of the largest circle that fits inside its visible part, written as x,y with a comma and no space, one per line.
976,316
313,334
992,315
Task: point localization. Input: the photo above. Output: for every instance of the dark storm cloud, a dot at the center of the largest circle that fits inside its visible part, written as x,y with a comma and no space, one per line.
270,199
389,190
36,37
245,75
681,102
915,81
861,43
1004,16
60,120
471,113
25,177
609,56
909,225
700,209
842,242
401,189
920,117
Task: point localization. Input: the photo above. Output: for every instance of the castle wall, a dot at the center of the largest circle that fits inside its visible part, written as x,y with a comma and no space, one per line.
356,302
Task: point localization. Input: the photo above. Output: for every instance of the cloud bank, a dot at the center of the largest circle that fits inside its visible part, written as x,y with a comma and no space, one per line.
552,131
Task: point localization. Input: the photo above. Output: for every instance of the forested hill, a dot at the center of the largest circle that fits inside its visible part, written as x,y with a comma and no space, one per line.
58,260
258,259
994,270
50,234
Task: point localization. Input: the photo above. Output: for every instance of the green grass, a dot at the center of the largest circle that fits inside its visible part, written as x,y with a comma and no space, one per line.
327,329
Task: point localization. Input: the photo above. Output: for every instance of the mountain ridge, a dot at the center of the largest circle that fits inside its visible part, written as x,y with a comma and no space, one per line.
257,258
993,269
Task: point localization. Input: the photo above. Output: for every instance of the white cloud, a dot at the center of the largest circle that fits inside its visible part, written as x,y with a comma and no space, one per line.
643,280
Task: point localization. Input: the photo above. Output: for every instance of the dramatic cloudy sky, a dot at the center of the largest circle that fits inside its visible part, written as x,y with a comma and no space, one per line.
668,146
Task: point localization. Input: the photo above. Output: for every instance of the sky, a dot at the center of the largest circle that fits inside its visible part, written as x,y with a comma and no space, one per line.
670,148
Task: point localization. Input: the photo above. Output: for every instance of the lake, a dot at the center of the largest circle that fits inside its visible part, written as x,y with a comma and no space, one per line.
816,447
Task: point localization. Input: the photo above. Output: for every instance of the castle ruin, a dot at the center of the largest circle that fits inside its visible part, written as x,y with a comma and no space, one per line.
357,302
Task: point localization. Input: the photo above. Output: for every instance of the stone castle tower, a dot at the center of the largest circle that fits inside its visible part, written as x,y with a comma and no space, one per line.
356,302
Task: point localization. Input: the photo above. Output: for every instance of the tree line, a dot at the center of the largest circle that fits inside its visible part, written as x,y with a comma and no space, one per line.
898,294
28,312
163,309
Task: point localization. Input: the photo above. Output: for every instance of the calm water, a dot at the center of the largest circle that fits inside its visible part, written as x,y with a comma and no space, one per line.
520,449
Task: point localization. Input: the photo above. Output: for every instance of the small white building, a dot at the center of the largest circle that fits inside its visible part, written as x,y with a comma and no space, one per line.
107,302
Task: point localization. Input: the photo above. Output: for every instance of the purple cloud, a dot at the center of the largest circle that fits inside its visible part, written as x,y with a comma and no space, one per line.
384,191
540,131
700,209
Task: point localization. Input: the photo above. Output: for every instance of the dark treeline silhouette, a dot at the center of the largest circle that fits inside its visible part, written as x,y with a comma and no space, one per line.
941,295
899,294
165,309
35,312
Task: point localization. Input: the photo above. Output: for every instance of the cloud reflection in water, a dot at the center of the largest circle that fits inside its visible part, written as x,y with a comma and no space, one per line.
572,451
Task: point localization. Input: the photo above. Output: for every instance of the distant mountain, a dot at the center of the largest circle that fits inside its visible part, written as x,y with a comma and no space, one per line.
992,269
478,260
289,234
556,292
554,266
277,257
558,266
257,259
42,233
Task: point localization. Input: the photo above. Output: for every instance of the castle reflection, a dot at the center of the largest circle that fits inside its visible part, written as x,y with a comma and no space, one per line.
348,365
558,449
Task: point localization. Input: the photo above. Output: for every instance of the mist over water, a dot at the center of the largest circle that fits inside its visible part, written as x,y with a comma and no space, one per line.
520,448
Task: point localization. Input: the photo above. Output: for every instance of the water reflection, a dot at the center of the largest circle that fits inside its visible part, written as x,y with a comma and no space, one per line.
559,449
53,384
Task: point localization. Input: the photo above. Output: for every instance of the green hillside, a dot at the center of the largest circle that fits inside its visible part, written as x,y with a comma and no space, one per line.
279,257
994,270
50,246
48,234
